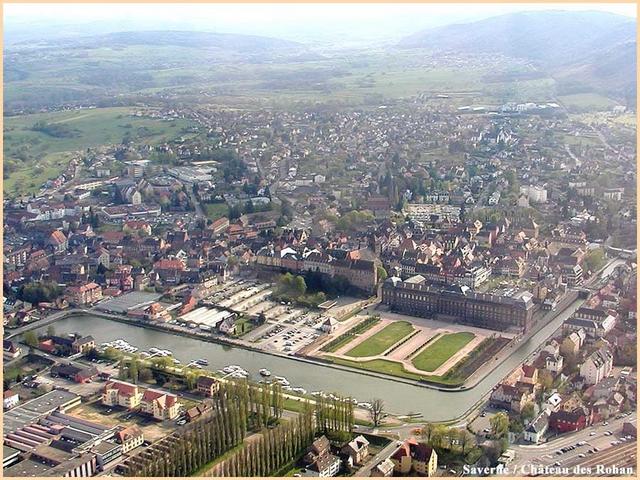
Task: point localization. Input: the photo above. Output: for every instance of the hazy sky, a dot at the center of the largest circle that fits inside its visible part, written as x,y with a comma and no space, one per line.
285,20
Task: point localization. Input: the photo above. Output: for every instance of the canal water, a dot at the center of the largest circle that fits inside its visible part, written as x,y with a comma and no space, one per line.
400,398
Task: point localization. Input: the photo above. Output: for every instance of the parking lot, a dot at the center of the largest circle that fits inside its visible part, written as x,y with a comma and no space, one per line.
297,330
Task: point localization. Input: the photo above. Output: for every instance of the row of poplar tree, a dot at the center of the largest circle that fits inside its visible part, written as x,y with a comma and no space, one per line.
238,408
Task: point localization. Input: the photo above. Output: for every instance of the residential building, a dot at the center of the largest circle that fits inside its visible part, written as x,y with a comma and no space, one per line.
537,428
84,294
10,349
320,460
573,342
383,468
597,366
129,438
356,450
121,393
160,405
414,457
207,386
72,372
83,344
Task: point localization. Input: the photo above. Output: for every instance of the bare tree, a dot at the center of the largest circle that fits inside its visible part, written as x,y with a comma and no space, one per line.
376,411
465,440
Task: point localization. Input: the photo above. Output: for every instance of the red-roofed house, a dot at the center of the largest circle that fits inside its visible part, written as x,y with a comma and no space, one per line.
160,405
58,241
219,225
121,393
169,269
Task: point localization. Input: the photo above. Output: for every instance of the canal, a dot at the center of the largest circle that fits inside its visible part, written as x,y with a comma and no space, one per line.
400,398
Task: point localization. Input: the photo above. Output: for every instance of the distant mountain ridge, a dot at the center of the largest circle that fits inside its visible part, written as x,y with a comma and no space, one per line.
595,48
253,43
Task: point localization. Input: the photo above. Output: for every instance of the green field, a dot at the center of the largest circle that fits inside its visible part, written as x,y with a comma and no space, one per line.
441,350
382,341
215,211
587,101
31,157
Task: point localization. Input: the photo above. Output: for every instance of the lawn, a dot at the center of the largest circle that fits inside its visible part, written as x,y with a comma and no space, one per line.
441,350
389,367
215,211
382,341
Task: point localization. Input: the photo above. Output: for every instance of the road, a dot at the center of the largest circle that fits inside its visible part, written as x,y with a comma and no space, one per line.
546,453
386,452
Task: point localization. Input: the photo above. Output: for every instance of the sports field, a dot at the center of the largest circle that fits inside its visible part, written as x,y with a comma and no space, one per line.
381,341
434,355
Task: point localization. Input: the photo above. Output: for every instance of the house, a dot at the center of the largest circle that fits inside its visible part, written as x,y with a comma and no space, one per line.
552,402
169,270
122,394
207,386
72,372
10,350
130,437
414,457
529,374
57,241
327,465
329,325
537,428
383,469
512,397
228,326
157,313
356,450
574,420
9,399
83,344
597,366
160,405
596,322
319,459
573,342
195,412
84,294
554,363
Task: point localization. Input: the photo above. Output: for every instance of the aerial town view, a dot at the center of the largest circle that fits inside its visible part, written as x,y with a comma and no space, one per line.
318,240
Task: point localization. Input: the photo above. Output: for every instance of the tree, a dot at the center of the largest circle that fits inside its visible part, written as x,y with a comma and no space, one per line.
466,441
382,274
145,375
528,412
427,432
133,371
376,411
51,331
499,424
440,432
546,382
30,338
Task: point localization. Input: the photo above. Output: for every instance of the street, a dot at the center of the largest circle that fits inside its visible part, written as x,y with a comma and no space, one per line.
594,436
